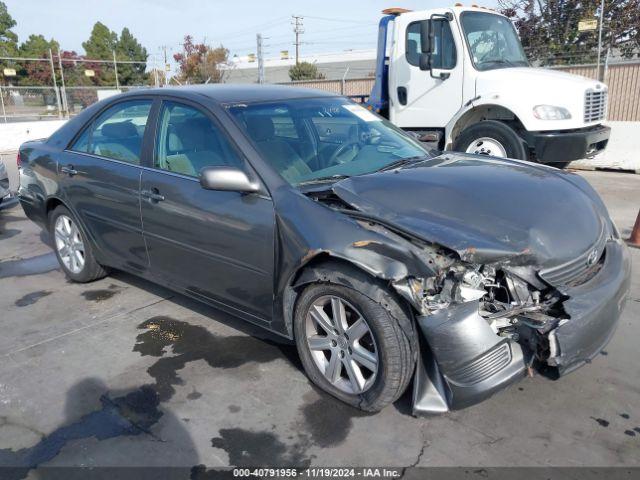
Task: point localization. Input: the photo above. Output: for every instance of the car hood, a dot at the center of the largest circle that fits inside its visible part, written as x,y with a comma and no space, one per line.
487,210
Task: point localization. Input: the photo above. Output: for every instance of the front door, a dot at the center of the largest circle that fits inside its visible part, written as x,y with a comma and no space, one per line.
216,245
100,178
419,100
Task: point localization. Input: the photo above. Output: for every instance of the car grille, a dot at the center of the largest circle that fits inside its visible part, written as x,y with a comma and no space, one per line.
483,367
579,270
595,105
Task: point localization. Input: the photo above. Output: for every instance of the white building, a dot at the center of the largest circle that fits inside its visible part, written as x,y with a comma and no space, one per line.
346,64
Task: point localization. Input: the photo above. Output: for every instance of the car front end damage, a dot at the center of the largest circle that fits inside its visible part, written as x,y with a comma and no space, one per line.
485,326
509,268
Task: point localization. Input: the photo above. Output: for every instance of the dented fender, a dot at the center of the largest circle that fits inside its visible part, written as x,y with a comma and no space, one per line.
367,246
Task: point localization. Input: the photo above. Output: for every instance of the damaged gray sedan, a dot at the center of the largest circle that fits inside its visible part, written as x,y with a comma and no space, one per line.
310,216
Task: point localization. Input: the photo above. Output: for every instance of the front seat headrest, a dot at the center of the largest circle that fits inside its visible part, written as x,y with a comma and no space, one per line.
260,128
119,130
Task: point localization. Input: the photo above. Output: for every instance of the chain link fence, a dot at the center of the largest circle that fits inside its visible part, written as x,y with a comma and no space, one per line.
59,86
28,103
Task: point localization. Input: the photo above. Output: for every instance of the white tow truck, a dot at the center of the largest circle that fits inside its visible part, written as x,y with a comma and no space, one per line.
458,77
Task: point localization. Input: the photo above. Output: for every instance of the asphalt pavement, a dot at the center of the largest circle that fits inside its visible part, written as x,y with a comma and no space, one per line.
123,372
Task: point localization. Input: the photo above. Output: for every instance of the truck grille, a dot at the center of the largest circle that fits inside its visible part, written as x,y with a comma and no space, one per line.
595,105
579,270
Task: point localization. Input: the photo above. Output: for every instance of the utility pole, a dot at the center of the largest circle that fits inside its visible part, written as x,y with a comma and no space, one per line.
298,30
65,105
600,37
55,84
164,66
260,59
115,69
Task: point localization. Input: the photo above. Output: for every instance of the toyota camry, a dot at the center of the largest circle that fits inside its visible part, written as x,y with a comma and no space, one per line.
308,215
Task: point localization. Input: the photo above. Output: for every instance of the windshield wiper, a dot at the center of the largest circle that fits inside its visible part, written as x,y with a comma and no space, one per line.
501,61
403,161
332,178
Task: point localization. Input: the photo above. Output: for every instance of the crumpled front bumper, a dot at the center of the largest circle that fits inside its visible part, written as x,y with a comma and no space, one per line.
463,362
594,308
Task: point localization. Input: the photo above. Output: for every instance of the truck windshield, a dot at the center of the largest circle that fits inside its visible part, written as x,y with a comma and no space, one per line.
310,140
493,41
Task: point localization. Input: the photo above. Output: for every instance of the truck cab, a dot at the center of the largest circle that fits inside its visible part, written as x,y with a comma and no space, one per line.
458,77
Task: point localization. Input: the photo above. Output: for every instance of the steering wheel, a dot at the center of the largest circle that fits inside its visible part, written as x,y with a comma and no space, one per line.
334,160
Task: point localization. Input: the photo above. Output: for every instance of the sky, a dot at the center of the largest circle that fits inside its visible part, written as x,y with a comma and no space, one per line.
329,25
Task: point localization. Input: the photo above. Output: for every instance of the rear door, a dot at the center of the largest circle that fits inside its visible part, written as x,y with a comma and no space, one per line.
419,100
100,179
217,246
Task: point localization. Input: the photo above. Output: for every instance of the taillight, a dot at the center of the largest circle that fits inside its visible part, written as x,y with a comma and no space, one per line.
18,161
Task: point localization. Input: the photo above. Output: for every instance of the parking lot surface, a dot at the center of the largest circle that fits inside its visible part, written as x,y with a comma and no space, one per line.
123,372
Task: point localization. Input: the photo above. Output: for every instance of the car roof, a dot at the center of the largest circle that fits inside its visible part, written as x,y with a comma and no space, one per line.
236,93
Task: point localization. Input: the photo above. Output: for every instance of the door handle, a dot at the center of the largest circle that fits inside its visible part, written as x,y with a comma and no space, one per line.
402,95
152,195
69,170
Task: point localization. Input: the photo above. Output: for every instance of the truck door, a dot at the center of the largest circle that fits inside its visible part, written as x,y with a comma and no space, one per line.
418,99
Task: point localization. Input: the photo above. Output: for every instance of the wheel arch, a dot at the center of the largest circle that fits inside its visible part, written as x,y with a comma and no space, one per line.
476,114
54,202
327,268
51,204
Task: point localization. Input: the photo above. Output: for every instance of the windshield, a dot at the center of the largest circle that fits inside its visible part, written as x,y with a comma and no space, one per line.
313,139
493,41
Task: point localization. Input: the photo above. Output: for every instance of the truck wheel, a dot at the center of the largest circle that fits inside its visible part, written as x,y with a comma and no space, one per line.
351,347
493,138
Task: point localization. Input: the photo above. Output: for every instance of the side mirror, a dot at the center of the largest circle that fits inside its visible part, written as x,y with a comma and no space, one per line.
425,62
227,179
425,27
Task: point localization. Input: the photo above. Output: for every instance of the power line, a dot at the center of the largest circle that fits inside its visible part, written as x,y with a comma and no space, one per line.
340,20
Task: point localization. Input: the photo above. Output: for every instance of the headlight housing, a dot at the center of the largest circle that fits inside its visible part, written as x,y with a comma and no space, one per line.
550,112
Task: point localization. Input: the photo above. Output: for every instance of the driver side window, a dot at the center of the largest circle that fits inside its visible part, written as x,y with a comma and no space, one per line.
188,140
444,51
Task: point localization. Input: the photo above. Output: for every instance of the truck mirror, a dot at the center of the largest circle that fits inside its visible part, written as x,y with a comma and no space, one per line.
424,36
425,61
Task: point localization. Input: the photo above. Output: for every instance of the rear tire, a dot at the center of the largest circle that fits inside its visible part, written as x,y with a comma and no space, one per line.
492,138
385,340
73,248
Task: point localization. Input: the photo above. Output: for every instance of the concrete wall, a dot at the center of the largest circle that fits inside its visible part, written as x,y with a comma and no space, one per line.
622,152
12,135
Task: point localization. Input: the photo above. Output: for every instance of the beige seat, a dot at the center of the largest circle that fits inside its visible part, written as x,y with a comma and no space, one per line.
278,152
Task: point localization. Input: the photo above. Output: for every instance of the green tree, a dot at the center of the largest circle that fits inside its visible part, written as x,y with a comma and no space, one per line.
128,48
32,72
8,38
549,28
38,46
100,46
200,63
304,71
8,41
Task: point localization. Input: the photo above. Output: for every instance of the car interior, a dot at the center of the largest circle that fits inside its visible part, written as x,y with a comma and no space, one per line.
189,141
316,140
119,140
299,145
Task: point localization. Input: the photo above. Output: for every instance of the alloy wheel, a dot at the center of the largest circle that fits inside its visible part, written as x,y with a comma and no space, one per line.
342,344
487,146
69,244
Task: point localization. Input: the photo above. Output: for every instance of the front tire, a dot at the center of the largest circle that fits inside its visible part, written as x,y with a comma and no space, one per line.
351,347
492,138
72,247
